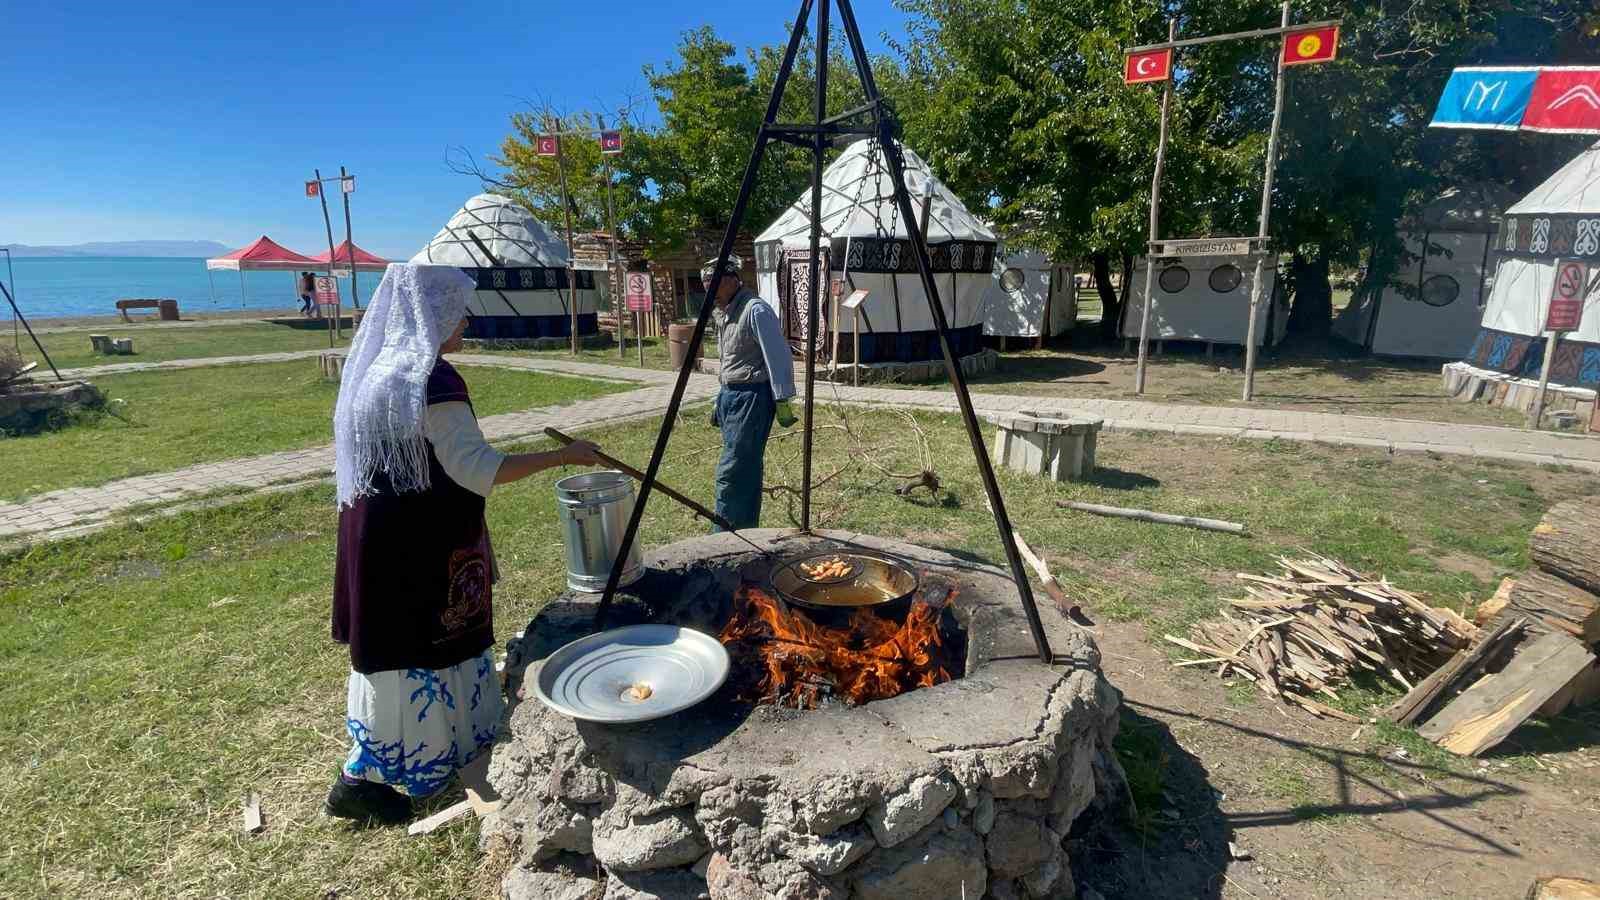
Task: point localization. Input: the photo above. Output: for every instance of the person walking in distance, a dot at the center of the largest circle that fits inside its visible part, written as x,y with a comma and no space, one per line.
757,376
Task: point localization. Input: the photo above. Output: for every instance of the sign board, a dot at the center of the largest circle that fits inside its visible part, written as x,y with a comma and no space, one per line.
1202,247
1566,297
1149,65
854,301
546,145
590,265
639,295
348,184
610,142
1313,45
327,290
313,189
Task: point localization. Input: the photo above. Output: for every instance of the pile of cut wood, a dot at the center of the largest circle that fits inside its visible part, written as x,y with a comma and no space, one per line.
1307,631
1537,652
1531,649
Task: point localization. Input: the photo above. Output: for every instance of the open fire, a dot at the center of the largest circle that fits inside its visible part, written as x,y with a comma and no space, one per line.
781,656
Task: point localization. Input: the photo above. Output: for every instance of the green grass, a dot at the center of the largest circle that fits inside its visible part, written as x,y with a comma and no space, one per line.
166,420
154,342
155,674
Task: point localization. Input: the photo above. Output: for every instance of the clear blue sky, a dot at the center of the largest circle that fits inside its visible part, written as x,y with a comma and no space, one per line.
165,121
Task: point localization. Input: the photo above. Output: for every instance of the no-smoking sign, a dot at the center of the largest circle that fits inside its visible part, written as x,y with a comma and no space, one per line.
1566,297
638,293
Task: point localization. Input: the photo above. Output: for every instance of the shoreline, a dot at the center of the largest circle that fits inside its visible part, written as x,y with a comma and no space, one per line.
148,318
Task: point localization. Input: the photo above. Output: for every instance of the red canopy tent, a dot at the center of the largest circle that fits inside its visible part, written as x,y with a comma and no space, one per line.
365,262
263,254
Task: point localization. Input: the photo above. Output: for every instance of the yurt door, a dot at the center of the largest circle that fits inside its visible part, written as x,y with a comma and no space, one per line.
794,290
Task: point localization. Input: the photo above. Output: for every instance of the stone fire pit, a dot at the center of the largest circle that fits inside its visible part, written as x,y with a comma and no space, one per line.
965,789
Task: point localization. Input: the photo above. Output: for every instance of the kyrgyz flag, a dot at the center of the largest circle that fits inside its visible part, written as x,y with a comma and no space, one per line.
1312,45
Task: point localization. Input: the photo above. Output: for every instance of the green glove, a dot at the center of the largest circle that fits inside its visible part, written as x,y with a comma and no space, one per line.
786,416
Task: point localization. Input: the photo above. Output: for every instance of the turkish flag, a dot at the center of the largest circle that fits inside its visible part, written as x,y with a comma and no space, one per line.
313,189
1150,65
546,145
1312,45
1565,100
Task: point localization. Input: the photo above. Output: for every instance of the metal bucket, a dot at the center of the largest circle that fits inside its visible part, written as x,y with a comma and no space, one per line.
594,509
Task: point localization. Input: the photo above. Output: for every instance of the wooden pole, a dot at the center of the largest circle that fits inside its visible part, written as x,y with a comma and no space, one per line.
566,205
1145,515
328,224
618,277
1266,213
1155,222
855,352
349,239
1536,412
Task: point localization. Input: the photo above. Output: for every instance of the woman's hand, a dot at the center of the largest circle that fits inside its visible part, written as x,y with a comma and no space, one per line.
580,453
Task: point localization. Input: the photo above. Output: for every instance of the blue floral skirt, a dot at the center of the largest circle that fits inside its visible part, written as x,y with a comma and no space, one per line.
413,728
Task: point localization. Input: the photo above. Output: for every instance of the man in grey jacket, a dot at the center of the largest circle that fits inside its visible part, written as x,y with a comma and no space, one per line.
757,377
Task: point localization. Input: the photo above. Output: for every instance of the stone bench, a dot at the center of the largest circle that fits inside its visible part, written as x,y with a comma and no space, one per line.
1037,444
168,309
108,346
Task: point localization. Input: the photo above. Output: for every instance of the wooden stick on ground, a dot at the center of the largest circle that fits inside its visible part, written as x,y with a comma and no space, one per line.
1145,515
440,818
252,814
1051,587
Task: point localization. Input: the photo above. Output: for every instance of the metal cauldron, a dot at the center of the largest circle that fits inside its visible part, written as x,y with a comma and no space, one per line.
594,509
876,582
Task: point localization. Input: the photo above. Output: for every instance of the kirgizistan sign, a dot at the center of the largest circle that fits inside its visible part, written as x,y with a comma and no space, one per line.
1552,99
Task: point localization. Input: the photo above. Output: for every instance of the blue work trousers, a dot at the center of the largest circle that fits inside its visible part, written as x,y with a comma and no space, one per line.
746,412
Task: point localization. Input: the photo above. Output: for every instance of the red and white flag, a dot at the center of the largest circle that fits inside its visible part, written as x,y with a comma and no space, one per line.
1149,65
545,145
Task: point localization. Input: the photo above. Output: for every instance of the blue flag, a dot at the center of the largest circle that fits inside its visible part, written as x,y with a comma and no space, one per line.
1491,97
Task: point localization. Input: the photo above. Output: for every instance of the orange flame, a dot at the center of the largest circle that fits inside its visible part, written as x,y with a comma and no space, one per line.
872,658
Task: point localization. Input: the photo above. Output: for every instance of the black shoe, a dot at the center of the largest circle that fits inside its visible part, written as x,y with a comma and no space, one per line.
367,801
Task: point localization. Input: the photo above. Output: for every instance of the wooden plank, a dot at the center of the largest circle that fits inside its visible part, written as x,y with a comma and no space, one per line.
440,818
1560,887
1415,705
1145,515
1485,713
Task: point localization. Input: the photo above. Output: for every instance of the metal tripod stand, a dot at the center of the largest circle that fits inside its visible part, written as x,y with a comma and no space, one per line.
872,119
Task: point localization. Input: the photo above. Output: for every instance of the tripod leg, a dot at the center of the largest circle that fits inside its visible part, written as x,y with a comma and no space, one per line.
734,221
20,318
969,417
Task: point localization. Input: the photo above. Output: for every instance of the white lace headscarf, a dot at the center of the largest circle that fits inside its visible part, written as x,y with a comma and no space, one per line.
383,394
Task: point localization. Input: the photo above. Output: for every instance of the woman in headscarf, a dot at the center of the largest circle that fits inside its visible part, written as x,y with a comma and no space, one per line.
413,578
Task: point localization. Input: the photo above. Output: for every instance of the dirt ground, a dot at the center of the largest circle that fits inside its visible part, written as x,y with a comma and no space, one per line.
1310,375
1325,809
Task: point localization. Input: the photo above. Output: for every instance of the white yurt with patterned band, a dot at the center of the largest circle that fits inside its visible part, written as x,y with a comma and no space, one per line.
867,245
1558,222
1431,306
520,266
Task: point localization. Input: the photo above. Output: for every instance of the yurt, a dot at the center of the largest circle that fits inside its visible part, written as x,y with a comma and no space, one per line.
867,245
1560,219
521,269
1030,297
1207,298
1432,305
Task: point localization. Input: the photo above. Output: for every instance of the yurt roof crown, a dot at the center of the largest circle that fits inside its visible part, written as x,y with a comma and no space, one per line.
500,225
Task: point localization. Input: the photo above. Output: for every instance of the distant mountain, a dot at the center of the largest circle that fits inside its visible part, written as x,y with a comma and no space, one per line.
123,248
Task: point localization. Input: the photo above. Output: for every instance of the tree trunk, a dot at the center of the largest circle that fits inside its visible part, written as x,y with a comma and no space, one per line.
1554,605
1110,303
1566,543
1312,312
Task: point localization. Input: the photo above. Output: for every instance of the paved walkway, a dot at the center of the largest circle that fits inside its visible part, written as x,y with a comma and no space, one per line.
78,510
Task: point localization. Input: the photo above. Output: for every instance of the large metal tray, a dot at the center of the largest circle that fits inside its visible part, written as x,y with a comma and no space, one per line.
591,677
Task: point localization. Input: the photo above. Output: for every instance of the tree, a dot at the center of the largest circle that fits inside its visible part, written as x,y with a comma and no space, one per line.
1019,105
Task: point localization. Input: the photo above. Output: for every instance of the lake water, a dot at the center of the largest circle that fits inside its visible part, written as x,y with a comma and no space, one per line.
91,285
